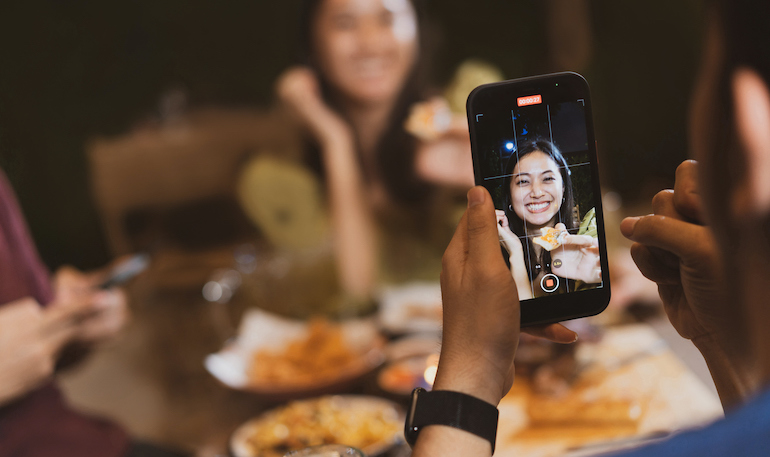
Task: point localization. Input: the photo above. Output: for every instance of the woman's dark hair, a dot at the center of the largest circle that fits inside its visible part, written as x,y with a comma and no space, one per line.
566,210
395,153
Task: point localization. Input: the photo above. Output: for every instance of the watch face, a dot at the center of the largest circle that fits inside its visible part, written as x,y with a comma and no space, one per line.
410,430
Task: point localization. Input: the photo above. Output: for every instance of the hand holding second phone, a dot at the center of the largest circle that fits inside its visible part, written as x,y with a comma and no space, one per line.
103,313
31,338
481,308
298,88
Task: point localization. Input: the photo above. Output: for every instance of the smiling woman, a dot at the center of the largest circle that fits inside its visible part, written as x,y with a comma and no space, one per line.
359,77
540,216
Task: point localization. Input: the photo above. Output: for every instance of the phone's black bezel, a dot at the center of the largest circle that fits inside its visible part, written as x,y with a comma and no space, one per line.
553,88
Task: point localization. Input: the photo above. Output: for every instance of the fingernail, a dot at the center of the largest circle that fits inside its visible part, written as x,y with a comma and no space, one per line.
627,226
475,196
576,338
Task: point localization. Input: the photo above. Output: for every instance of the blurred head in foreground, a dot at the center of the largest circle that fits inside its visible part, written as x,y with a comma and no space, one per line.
730,136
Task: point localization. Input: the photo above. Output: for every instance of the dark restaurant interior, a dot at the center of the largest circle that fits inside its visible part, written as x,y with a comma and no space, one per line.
156,127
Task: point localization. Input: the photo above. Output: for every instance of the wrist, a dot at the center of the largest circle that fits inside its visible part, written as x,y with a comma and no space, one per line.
469,377
732,374
335,134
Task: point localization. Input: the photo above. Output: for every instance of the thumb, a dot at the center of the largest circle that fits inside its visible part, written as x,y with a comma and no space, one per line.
483,239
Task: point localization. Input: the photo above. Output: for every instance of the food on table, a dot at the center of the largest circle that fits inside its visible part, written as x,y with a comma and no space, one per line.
359,422
550,238
421,311
402,376
574,409
322,355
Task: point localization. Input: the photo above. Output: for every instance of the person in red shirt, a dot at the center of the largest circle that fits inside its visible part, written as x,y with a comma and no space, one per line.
42,318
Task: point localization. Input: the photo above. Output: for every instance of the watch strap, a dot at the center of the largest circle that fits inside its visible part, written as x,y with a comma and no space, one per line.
453,409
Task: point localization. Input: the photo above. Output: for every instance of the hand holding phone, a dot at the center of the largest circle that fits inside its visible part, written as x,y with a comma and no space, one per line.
534,150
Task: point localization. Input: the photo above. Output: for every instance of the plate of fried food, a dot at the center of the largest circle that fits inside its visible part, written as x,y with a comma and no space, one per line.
371,424
286,358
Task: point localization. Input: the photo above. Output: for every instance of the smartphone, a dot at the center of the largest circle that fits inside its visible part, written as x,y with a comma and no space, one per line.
534,150
126,270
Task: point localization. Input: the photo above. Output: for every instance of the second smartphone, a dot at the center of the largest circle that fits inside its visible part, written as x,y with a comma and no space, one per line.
534,150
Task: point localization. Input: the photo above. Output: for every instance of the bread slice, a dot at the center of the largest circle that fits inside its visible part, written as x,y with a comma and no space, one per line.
550,238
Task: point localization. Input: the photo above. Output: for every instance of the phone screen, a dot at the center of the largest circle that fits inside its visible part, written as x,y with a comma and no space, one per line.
534,150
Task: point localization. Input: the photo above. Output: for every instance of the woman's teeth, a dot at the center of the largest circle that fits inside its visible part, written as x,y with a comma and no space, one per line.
369,68
537,207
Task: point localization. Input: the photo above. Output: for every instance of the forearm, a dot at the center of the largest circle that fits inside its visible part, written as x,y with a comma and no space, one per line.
732,378
352,222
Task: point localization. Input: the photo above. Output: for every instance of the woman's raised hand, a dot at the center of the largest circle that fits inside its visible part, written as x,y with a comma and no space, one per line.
298,88
512,244
577,258
510,241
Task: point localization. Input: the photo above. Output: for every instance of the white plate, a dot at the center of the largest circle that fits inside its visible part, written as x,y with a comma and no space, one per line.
261,330
411,308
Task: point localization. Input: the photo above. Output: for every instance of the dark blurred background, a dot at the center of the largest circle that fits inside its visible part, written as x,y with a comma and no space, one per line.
74,70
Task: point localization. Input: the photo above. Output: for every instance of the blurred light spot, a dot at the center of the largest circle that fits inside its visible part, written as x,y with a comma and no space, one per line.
432,368
212,291
404,19
612,201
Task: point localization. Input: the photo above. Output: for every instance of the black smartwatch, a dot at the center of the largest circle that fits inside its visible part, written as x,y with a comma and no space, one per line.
453,409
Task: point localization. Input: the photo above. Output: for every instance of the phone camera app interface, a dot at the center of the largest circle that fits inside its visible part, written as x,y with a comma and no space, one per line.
536,165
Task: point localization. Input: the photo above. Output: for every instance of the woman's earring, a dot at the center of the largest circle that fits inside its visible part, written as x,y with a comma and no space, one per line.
510,207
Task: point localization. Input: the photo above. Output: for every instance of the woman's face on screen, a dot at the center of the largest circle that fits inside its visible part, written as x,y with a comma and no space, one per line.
537,189
366,48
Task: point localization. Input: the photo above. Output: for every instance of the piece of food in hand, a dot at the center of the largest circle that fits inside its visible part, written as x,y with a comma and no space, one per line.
550,238
429,120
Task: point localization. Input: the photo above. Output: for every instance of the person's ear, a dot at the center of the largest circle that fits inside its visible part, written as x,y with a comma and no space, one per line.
751,99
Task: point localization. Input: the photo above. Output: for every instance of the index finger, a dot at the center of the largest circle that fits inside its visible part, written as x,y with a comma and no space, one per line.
580,240
684,239
65,314
687,200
